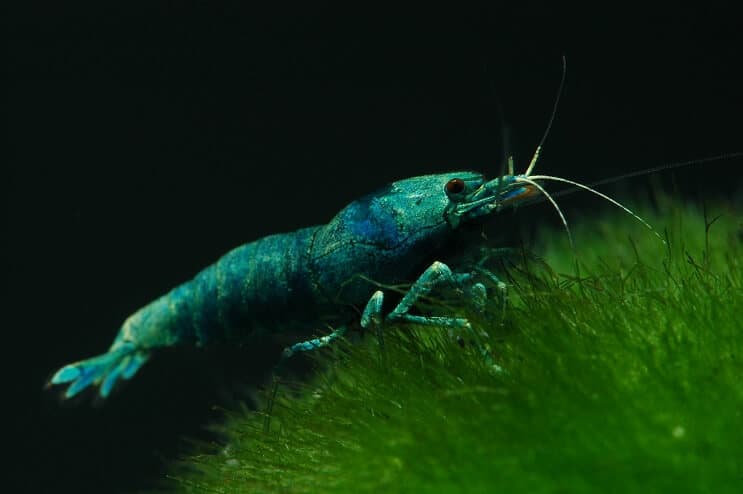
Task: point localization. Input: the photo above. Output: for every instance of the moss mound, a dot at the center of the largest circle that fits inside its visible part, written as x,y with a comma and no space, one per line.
620,373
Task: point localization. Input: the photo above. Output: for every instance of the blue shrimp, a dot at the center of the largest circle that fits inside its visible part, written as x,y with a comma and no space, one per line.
309,278
318,276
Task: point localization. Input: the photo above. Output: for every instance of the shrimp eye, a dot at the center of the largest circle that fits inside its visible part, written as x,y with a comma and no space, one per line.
455,186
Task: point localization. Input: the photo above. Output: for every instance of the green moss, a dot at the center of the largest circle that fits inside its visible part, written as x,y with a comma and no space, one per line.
625,378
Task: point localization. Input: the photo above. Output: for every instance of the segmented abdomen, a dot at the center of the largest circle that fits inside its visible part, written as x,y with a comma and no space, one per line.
258,287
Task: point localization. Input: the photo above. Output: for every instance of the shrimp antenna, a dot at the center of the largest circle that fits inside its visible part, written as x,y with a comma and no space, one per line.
604,196
647,171
550,199
534,158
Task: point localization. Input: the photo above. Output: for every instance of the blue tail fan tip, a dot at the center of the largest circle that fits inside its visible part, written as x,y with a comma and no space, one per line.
104,371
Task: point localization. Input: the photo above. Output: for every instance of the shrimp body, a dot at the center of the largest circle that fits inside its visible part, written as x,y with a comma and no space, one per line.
304,280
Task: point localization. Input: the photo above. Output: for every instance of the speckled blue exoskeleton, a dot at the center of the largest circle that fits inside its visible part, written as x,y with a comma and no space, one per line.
315,276
318,276
309,278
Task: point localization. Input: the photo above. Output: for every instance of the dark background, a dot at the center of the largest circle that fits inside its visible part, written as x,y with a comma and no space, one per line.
144,143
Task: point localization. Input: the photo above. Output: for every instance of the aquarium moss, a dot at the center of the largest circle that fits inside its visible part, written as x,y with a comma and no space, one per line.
619,368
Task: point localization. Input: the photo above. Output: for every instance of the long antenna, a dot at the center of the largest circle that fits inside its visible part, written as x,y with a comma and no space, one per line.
647,171
604,196
557,208
534,158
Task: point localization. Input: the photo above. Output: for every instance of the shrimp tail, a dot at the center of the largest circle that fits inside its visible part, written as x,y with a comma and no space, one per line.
103,371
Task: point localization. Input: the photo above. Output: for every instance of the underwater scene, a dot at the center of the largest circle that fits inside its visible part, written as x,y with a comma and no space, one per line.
264,250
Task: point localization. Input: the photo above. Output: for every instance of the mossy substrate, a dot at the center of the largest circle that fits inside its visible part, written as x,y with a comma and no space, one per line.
621,372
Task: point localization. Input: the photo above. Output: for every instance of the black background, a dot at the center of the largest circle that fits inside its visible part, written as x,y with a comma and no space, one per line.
143,143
